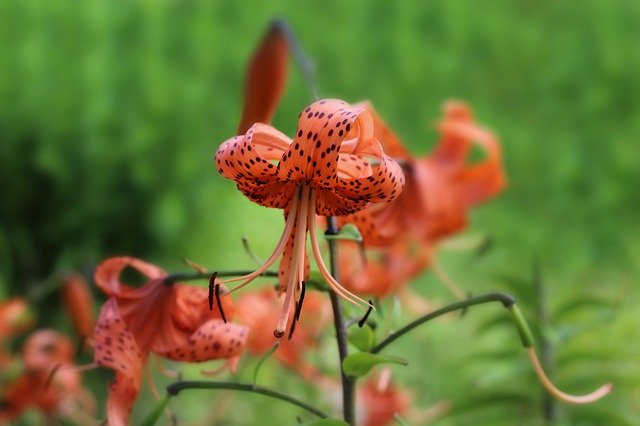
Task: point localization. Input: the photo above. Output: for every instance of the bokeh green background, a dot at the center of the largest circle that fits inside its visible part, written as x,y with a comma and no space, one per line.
110,113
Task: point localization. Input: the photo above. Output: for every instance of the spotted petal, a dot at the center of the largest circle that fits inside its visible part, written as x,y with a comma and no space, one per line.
212,340
107,274
116,348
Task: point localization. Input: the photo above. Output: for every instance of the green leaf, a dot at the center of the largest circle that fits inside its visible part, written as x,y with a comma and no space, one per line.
359,364
327,422
362,338
348,232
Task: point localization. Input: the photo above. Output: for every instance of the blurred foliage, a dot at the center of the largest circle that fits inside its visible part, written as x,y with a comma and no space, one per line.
110,113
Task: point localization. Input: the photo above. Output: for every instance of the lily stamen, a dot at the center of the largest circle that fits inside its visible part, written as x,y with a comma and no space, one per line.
557,393
277,252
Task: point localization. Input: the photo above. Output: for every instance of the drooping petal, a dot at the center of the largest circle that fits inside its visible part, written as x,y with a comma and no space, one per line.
116,348
107,274
212,340
266,78
391,144
247,160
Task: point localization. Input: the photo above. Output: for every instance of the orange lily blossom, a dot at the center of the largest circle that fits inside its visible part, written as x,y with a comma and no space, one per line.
171,320
380,400
441,187
259,310
43,352
15,317
324,170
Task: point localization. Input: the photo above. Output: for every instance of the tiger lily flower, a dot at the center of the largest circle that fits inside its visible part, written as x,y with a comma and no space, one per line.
441,187
380,400
170,320
43,352
325,169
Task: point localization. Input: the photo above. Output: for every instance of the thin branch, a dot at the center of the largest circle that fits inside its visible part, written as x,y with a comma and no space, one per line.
507,300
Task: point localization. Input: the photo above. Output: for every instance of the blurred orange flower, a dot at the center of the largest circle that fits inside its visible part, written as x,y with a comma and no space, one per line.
15,317
324,170
171,320
379,400
258,310
440,189
43,352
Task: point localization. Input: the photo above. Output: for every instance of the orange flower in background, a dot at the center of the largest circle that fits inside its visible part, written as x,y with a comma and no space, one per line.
15,317
441,187
44,351
379,400
171,320
325,170
259,310
380,272
78,301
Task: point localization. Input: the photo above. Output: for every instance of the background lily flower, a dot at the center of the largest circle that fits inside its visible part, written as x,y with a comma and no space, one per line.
259,310
325,169
380,400
441,187
171,320
15,317
43,352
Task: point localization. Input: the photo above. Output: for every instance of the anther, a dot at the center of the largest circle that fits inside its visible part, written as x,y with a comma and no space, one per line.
299,303
293,326
212,283
366,315
53,372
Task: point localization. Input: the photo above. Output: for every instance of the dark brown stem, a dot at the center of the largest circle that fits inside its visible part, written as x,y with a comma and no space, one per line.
348,384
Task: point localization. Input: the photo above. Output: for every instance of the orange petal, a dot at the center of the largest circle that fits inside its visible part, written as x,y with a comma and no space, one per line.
212,340
116,348
265,79
322,128
107,274
391,144
247,161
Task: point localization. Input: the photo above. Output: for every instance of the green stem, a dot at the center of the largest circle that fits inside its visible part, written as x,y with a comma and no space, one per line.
157,411
507,301
348,383
175,388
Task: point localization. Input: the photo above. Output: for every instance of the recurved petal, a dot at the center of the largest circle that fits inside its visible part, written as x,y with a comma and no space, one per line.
107,274
248,160
116,348
384,184
214,339
322,128
266,78
390,142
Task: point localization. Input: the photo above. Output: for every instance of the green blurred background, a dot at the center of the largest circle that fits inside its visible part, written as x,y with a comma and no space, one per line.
110,113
